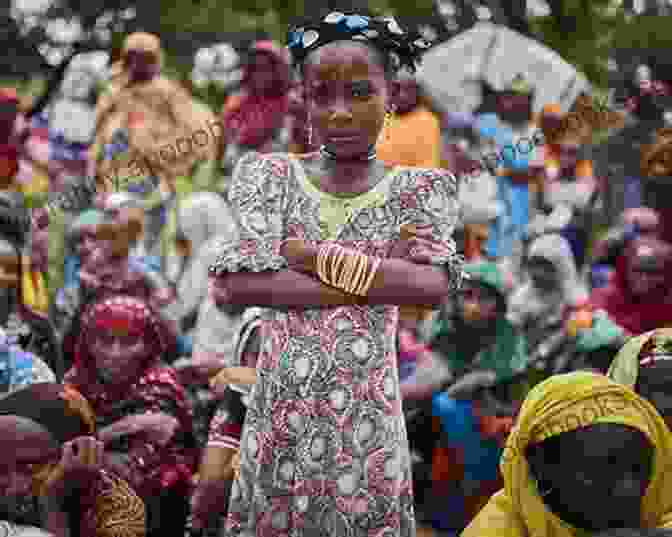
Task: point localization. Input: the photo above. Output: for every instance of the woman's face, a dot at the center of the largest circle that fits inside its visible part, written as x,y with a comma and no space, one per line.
642,74
645,276
8,113
118,356
543,273
86,244
654,384
513,107
568,153
263,74
601,477
407,95
142,65
347,94
477,304
9,271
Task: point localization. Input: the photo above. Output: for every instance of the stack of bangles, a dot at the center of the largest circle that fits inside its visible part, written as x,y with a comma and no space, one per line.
353,272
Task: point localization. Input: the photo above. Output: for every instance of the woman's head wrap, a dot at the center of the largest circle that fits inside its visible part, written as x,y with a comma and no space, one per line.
400,47
560,404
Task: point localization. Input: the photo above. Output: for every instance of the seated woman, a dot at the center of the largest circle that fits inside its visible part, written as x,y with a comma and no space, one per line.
645,365
637,222
29,340
79,244
53,473
210,498
552,290
639,297
476,346
140,404
586,455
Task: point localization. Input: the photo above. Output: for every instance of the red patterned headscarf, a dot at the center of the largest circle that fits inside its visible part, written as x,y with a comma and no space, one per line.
129,315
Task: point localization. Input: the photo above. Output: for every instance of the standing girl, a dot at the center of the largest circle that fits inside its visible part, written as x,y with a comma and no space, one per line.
324,448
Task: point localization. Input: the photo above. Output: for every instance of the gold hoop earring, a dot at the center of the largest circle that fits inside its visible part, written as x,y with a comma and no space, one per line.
387,124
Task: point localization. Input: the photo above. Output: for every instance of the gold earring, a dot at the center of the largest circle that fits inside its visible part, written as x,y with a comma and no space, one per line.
387,123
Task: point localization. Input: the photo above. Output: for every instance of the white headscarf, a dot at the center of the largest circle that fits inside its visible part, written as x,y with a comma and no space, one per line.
529,302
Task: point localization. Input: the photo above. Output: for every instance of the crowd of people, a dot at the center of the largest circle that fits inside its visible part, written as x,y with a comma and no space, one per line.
333,315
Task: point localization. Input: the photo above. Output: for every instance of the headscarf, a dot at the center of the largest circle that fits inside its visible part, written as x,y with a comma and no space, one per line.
205,220
507,354
561,404
640,351
636,316
530,302
133,316
248,115
383,33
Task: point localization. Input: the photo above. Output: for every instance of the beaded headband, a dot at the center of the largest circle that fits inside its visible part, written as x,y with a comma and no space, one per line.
383,33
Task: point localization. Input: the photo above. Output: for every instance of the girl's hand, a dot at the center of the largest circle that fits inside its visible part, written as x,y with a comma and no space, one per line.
80,464
233,375
199,368
410,237
299,255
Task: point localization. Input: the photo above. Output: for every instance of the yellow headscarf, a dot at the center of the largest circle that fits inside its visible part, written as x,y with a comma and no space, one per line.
561,404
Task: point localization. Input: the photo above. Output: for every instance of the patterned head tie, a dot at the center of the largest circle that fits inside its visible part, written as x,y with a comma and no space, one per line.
401,48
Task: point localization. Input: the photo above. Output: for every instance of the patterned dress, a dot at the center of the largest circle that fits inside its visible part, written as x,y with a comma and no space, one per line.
324,448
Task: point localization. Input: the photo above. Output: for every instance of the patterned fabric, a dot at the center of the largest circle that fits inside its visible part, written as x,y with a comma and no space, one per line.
384,33
154,467
324,445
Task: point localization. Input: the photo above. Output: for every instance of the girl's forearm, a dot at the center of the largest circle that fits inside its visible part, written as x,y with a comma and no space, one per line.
404,283
284,289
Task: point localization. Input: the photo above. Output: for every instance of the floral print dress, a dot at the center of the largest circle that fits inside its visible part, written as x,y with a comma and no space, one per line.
324,448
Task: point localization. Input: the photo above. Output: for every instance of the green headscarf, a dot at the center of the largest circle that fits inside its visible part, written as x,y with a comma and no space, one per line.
507,356
603,333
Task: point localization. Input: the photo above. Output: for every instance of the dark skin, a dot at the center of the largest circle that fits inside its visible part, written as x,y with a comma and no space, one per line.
26,445
654,384
348,94
609,462
543,273
142,65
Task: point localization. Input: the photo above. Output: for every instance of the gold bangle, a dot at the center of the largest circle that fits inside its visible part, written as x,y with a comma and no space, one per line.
364,289
351,264
322,262
361,266
337,264
346,273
